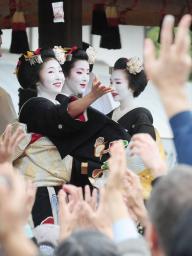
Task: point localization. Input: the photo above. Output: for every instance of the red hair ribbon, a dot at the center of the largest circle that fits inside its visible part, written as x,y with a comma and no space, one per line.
74,48
37,51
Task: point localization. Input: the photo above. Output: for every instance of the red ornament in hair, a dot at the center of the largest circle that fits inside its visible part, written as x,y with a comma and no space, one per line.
74,48
37,51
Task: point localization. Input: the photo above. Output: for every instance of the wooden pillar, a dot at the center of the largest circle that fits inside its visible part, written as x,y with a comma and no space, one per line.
65,34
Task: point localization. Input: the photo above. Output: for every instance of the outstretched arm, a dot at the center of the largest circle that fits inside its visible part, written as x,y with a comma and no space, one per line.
77,107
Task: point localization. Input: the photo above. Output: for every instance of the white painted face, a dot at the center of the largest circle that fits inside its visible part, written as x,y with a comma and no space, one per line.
51,76
120,83
78,78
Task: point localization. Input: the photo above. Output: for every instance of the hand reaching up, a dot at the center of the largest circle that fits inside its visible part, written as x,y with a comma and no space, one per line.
171,69
113,194
76,212
145,146
99,89
12,200
133,197
8,143
13,210
96,211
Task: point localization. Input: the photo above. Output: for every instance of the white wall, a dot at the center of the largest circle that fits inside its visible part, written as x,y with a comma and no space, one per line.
132,39
32,34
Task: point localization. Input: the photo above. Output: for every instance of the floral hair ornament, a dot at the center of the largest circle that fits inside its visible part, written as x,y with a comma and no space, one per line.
134,65
37,51
91,52
60,54
33,57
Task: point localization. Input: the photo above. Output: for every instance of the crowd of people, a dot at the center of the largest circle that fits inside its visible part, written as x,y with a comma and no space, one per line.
75,181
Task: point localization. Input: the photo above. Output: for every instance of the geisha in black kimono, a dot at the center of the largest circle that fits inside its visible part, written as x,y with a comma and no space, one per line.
67,121
129,80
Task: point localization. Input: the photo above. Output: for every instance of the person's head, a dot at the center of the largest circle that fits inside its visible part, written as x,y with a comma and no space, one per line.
128,77
182,236
0,41
39,68
170,197
87,243
77,72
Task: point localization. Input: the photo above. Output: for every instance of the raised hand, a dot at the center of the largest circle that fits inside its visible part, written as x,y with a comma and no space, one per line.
13,209
8,143
145,146
77,212
113,193
99,89
133,197
12,200
117,166
171,69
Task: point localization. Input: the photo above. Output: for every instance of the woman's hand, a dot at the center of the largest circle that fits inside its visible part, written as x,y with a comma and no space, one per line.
8,143
99,89
145,146
13,209
171,69
13,200
77,212
133,197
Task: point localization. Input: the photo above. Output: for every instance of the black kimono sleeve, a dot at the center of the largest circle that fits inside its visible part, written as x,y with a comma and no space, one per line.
44,117
138,120
72,137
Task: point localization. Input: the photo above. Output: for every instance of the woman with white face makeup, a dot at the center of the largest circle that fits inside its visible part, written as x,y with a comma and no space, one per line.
76,73
51,80
78,79
129,80
59,123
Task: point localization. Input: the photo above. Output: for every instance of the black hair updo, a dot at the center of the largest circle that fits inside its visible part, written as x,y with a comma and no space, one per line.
137,82
28,74
78,54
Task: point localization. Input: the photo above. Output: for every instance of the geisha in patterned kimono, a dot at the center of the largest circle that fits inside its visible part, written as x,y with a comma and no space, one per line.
61,126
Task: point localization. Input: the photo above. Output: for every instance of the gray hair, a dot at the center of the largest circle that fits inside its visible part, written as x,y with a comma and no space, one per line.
169,198
87,243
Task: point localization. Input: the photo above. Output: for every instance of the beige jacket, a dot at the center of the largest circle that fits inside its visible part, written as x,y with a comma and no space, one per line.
7,111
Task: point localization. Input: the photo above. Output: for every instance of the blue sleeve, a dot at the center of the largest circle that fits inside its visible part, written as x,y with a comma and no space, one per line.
181,125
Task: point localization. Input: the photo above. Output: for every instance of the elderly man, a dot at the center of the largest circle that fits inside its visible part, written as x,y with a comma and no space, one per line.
170,198
7,111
